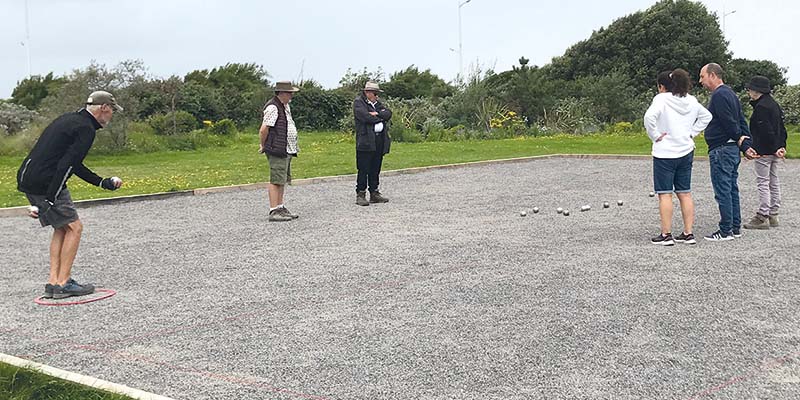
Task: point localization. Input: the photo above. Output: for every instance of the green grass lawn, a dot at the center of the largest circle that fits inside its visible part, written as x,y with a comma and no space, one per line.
26,384
321,154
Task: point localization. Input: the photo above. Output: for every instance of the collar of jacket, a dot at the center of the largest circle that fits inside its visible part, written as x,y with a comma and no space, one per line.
755,102
91,117
366,100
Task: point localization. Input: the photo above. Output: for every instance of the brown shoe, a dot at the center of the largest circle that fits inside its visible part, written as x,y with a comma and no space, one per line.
286,211
277,215
758,222
361,198
377,197
773,220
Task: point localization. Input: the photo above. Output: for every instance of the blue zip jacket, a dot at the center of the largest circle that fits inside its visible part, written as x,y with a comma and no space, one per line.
728,122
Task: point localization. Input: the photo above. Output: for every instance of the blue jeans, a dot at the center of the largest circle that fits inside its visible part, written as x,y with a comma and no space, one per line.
724,162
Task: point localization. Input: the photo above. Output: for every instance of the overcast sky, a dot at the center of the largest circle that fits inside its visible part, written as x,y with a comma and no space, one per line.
323,38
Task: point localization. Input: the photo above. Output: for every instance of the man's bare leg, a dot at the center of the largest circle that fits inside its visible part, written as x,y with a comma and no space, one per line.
55,254
69,249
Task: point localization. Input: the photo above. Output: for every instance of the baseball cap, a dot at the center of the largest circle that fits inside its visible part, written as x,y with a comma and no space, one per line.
101,97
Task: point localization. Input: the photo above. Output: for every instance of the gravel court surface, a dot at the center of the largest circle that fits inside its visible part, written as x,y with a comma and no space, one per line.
443,293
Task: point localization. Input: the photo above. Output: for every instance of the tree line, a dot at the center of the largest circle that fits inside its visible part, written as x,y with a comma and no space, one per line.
604,80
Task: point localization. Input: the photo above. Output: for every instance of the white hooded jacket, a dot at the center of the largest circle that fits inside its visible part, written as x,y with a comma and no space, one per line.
681,118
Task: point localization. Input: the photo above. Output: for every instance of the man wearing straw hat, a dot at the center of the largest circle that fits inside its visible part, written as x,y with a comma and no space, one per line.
278,136
372,143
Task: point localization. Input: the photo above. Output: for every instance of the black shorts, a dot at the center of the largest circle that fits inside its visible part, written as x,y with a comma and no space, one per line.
62,212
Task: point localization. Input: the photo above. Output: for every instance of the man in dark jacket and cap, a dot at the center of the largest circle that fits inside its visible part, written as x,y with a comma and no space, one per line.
769,140
43,176
372,142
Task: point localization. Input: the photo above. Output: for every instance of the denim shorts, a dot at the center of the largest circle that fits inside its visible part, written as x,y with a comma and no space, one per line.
673,175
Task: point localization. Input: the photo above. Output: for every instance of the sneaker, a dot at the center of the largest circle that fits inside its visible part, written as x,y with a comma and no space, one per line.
377,197
277,215
719,237
773,220
757,222
663,240
286,211
48,289
737,233
72,289
687,238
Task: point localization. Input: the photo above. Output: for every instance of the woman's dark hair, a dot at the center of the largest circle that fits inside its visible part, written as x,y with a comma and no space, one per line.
681,82
665,79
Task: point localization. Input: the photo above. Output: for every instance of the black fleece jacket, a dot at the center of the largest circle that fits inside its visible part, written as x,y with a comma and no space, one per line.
766,125
58,154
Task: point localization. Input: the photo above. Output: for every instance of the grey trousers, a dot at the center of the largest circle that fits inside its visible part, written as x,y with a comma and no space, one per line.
769,190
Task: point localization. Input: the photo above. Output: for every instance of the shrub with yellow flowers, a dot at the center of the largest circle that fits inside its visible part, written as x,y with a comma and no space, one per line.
507,124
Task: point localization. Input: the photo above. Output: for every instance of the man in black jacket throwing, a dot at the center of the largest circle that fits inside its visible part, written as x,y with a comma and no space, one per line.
769,140
372,142
43,176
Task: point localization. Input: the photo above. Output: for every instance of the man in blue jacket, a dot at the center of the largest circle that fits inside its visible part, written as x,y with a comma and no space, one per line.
43,176
726,135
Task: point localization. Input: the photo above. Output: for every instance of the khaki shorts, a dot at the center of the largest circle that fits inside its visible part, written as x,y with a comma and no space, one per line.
280,170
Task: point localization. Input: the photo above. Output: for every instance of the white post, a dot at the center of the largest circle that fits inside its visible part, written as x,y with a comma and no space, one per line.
27,39
460,47
724,16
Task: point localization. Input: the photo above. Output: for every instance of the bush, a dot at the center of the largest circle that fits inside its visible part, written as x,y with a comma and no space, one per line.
570,115
620,128
789,99
21,143
14,118
173,123
508,124
412,113
314,108
401,133
347,124
432,127
223,127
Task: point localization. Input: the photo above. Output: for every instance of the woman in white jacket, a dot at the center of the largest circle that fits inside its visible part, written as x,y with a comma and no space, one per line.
672,121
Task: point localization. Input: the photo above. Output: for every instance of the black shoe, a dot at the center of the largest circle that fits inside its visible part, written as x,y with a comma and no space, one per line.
663,240
737,233
48,291
718,236
48,288
72,288
687,238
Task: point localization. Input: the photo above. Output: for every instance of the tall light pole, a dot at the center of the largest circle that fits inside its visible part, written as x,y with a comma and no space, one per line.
725,15
27,39
460,47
